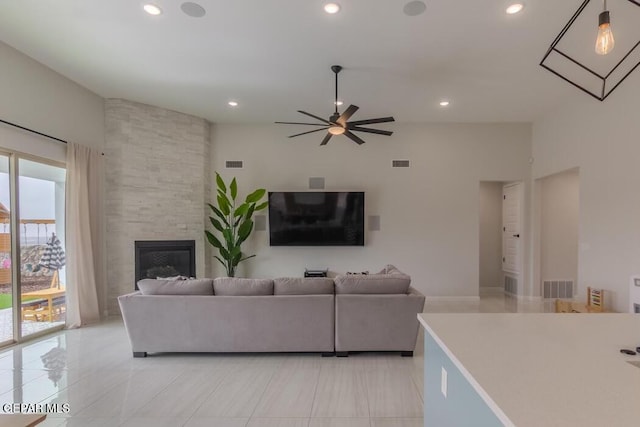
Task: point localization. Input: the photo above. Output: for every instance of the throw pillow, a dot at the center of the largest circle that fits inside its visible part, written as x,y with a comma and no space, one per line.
233,286
302,285
176,287
394,283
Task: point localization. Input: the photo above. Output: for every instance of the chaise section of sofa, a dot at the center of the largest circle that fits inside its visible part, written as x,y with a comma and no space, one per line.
230,323
376,313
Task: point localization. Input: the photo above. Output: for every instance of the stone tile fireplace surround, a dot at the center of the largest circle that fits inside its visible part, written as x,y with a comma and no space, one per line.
157,183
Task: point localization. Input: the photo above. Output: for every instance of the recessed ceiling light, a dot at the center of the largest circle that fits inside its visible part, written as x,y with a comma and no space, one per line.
339,103
414,8
233,103
332,8
152,9
515,8
192,9
444,103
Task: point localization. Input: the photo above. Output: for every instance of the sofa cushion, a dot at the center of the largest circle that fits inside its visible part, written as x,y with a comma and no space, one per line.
302,285
234,286
389,281
176,287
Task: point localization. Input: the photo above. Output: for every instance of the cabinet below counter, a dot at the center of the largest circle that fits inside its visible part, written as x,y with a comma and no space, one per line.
530,369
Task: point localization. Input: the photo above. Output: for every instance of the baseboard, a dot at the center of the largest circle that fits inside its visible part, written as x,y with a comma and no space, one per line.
457,299
524,297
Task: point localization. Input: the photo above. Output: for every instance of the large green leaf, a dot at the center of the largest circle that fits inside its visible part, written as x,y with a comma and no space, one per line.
262,206
216,224
221,261
241,210
256,195
220,183
244,231
219,214
213,239
235,251
224,196
228,237
250,256
224,206
224,253
233,187
236,259
250,211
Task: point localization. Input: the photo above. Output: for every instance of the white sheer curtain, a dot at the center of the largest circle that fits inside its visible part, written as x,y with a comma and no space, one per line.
83,234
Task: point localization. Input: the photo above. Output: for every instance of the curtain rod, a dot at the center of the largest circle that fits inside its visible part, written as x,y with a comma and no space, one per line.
35,131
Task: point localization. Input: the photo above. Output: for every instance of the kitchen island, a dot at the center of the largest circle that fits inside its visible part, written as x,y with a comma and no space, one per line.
531,369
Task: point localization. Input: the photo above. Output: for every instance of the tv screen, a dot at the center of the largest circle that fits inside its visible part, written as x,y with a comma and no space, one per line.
316,218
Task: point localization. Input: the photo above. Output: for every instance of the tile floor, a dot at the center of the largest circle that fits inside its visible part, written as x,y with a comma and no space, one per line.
92,370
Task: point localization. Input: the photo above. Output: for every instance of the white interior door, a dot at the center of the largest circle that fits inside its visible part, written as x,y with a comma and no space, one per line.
511,228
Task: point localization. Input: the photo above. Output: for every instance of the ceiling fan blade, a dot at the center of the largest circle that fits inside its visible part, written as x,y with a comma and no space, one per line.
370,130
298,123
304,133
326,139
342,120
354,137
315,117
372,121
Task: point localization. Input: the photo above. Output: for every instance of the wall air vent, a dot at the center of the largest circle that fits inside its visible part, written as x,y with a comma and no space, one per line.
557,289
511,285
400,163
233,164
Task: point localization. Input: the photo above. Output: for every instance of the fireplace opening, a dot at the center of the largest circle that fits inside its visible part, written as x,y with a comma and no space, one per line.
636,308
164,258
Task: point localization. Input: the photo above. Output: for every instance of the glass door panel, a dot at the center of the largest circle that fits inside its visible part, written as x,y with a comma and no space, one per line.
6,285
41,200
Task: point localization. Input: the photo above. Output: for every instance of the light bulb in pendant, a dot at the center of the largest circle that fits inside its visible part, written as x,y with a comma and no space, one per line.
604,41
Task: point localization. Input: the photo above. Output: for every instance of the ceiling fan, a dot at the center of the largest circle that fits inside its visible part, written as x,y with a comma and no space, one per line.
339,124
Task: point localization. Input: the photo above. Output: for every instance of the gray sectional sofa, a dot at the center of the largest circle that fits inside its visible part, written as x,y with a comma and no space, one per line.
352,313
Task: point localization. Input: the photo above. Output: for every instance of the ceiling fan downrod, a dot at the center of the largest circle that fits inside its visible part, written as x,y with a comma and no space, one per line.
336,69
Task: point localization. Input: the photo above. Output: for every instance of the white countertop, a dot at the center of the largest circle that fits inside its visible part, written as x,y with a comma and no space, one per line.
547,369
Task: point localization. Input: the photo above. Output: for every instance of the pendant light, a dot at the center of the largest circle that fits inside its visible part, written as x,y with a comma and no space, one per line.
604,40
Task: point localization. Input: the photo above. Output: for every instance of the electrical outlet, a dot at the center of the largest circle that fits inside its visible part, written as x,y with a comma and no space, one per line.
443,382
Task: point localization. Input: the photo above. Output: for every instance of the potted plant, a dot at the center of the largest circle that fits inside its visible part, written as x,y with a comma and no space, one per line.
234,223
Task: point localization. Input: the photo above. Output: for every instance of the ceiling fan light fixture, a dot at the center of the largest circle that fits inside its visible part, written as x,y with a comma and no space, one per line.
332,8
336,130
152,9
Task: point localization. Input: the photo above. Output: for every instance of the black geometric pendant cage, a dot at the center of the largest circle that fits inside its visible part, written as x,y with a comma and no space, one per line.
571,55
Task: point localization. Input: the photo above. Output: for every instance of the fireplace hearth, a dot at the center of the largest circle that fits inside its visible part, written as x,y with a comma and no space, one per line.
164,258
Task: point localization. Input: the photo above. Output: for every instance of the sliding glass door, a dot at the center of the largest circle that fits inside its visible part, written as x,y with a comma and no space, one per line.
6,259
35,269
42,255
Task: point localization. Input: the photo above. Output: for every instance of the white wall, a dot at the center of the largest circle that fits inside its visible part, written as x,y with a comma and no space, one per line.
491,234
601,138
429,212
559,224
34,96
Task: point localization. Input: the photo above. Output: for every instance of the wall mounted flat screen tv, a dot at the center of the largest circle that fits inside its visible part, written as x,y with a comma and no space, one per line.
315,218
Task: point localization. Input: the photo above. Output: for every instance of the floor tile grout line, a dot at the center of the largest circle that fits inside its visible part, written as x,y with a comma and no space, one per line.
263,392
315,391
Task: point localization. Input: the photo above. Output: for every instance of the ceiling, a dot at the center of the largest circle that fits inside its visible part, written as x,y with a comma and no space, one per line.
273,56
